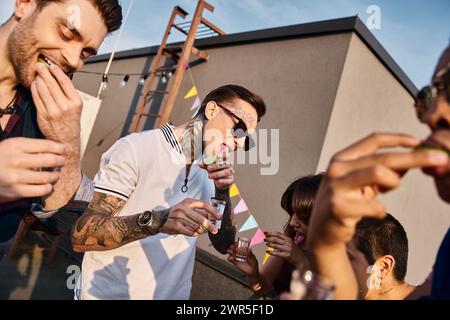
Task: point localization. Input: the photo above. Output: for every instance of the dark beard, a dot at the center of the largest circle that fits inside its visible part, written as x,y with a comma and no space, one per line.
19,46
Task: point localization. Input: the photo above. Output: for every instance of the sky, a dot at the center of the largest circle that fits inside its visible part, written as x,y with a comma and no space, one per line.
414,32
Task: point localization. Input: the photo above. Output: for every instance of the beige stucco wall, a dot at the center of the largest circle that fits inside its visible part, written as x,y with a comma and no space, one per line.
321,96
298,79
115,105
371,99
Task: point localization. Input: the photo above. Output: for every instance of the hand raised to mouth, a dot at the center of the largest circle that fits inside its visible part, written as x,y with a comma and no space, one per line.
58,105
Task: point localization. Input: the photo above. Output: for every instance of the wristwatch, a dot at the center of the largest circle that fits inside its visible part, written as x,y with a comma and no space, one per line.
147,222
151,221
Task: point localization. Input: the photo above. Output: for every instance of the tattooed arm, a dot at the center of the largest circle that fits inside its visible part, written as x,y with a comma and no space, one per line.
227,233
99,230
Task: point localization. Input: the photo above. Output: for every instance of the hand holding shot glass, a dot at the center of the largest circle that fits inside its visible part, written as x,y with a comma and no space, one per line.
219,206
243,246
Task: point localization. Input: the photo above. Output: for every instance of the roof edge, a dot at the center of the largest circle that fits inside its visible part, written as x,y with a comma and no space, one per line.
347,24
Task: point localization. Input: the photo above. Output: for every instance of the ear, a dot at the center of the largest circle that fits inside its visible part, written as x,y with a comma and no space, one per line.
24,8
386,264
211,110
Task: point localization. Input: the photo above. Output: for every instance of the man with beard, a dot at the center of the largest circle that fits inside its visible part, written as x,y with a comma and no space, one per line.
41,45
359,173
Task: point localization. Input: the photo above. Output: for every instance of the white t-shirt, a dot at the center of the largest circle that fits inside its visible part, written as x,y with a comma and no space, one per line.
147,170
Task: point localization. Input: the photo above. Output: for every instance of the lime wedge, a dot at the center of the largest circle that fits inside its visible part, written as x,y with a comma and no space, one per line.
430,148
43,62
209,160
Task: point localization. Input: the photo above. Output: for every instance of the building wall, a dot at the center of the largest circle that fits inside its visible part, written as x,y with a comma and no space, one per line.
115,110
298,79
209,284
308,84
381,104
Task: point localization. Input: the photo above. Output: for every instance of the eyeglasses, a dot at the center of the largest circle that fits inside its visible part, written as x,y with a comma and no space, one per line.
240,129
427,96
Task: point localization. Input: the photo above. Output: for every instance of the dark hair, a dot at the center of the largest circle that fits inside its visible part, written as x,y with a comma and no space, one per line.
376,238
232,92
299,199
110,10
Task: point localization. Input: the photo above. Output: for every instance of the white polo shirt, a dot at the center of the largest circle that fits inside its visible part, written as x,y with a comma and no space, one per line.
147,170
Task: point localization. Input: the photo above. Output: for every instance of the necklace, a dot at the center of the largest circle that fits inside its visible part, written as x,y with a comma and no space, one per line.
10,108
189,148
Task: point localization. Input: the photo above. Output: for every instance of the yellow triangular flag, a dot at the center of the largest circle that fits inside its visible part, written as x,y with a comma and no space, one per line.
266,257
234,191
192,93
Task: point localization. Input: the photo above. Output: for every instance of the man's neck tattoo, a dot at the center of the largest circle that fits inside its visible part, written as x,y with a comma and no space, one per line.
192,140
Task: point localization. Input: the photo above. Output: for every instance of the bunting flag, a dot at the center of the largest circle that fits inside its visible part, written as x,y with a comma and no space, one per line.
266,256
240,207
197,103
257,238
234,191
249,224
192,93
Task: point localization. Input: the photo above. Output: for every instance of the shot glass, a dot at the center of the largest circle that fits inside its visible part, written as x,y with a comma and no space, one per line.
242,249
306,285
223,157
219,206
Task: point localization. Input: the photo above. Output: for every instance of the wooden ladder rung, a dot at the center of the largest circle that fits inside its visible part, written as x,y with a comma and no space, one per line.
150,115
169,53
157,92
212,26
166,69
179,29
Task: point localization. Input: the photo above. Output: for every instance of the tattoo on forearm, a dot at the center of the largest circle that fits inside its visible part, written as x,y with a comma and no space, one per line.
99,230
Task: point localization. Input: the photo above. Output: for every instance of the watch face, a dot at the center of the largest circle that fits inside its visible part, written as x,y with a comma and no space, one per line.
145,218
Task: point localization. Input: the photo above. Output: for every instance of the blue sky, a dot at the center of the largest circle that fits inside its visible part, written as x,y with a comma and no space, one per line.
414,32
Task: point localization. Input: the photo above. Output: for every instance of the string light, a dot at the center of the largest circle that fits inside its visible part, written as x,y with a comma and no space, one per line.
125,80
104,82
164,75
142,80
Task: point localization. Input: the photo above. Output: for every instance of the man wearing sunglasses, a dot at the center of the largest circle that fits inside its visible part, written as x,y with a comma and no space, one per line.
426,97
135,247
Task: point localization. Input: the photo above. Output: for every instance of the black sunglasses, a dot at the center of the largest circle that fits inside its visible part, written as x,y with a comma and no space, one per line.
240,129
427,96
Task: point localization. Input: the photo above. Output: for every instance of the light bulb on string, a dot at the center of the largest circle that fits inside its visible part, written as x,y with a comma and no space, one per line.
170,74
164,79
105,82
142,80
125,80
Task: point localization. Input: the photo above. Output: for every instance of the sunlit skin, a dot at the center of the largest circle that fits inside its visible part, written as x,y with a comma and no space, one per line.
49,31
220,123
342,201
389,288
218,135
438,119
283,248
